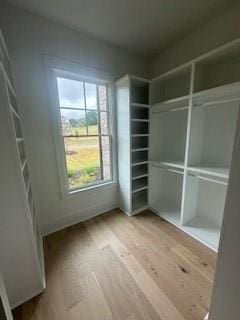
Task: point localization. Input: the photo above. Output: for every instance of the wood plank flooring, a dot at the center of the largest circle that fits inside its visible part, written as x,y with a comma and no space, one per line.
114,267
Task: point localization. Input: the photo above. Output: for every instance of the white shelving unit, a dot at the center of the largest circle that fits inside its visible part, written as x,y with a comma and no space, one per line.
21,261
193,116
133,147
175,153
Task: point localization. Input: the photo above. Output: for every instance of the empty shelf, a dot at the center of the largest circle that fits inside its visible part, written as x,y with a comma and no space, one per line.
168,211
140,120
204,231
140,105
139,201
171,104
139,162
139,184
140,149
214,95
171,164
214,171
140,135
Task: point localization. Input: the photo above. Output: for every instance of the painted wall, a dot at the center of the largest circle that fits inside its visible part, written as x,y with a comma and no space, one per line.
29,38
221,29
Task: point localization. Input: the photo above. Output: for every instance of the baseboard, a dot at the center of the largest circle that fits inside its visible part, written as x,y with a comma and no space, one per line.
78,217
26,298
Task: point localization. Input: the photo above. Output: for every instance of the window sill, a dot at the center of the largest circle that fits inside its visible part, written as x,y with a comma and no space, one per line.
89,188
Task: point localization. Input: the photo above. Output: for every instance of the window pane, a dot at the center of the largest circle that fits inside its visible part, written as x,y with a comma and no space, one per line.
91,96
104,122
102,92
92,122
70,93
106,158
83,161
73,122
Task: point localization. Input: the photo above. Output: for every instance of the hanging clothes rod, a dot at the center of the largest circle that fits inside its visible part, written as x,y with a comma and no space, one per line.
210,103
171,110
208,179
165,168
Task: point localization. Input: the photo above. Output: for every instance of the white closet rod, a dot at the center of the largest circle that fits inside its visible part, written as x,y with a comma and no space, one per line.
208,179
171,110
165,168
210,103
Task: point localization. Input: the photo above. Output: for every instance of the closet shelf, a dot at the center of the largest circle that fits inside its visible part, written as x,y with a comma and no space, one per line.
140,120
140,105
139,189
213,171
140,135
140,149
139,162
140,208
136,177
178,102
217,94
172,164
204,231
167,211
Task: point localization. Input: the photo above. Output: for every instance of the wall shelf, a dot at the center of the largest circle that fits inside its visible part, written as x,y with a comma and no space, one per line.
139,201
171,164
204,231
140,171
140,120
140,149
133,146
139,184
218,94
167,211
212,171
175,104
139,105
140,135
138,163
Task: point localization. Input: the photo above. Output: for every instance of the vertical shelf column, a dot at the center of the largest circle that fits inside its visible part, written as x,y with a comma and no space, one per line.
139,148
190,106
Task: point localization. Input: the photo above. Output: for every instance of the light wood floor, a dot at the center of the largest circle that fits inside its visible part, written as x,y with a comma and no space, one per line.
114,267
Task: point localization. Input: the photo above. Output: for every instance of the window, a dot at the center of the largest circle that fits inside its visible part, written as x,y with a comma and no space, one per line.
85,131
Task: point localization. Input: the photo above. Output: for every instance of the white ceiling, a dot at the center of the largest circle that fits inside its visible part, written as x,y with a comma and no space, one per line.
142,26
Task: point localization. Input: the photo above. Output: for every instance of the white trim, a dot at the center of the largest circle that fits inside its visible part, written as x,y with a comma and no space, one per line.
90,187
78,217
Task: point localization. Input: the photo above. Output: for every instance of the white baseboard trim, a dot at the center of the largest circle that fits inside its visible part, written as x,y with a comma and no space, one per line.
26,298
77,217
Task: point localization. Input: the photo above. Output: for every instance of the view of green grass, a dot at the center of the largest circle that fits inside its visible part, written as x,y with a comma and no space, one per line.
83,158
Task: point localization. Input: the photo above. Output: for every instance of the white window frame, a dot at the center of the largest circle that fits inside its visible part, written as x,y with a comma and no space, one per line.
59,68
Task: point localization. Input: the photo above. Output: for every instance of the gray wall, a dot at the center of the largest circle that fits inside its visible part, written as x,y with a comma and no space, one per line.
221,29
29,38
